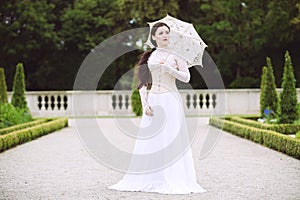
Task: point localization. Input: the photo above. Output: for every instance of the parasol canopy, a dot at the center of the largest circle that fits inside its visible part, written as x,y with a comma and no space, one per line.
184,40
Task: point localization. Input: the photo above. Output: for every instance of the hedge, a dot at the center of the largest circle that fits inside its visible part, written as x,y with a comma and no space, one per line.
281,128
268,138
21,136
22,126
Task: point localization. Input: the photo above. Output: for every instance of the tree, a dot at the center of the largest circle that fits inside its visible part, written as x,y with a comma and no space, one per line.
28,36
263,83
18,98
239,34
288,97
53,37
244,82
234,32
279,19
138,13
271,96
85,24
3,88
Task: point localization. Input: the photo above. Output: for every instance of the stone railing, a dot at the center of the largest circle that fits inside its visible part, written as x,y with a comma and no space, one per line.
118,103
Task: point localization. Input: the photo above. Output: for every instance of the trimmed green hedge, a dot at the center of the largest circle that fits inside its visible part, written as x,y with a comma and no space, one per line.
21,136
22,126
268,138
281,128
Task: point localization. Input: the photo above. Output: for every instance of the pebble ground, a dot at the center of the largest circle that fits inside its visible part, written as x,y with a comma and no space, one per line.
57,166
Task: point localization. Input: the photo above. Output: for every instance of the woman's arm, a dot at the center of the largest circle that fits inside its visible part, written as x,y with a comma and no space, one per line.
182,74
144,99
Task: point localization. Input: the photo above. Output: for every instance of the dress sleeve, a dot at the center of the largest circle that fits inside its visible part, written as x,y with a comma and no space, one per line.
182,72
182,64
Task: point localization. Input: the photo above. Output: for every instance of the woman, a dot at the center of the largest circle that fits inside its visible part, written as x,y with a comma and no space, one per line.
162,159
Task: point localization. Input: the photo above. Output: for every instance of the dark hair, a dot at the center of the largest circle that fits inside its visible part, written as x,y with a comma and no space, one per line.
144,74
154,29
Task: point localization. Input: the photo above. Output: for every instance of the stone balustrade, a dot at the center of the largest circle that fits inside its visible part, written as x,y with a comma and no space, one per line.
118,102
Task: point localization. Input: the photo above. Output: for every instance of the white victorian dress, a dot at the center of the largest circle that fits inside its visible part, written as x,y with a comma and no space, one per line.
162,159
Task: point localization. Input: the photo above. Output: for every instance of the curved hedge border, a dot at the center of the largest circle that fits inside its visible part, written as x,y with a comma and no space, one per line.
17,137
268,138
281,128
22,126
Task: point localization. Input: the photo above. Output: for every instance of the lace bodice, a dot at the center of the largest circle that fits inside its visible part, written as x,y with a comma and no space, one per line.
162,81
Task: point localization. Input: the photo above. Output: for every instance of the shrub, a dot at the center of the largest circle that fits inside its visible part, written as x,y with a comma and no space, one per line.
268,138
22,126
298,121
18,97
271,96
10,115
297,135
3,87
15,138
288,97
136,103
280,128
263,83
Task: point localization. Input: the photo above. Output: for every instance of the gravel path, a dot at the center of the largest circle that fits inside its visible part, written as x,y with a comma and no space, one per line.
57,166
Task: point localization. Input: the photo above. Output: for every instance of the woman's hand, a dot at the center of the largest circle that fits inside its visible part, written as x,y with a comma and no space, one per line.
181,72
168,68
148,110
144,99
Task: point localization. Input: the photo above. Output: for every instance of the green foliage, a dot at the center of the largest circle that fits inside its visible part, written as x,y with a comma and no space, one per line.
28,33
143,11
268,138
280,128
22,126
240,34
288,97
53,37
136,103
298,105
3,87
17,137
263,83
298,135
281,13
10,115
271,96
270,116
244,82
86,23
18,97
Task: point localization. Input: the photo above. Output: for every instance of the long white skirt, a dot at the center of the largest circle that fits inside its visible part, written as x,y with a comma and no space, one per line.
162,159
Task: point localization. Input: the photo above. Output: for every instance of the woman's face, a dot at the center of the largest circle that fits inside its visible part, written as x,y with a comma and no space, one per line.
161,36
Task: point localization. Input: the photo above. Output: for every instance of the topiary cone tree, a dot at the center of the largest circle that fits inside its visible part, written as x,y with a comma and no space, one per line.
271,99
263,83
3,88
288,97
18,97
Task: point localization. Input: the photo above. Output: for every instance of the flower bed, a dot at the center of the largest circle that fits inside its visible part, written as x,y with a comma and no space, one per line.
281,128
